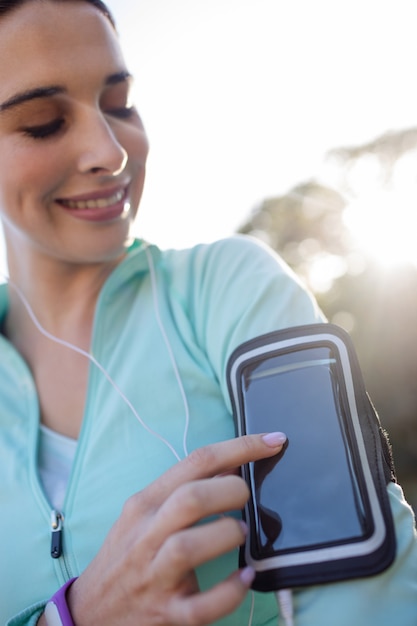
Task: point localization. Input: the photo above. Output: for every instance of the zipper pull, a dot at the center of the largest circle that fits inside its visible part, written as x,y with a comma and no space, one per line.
57,522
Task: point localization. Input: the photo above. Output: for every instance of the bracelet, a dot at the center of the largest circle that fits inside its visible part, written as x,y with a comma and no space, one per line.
57,612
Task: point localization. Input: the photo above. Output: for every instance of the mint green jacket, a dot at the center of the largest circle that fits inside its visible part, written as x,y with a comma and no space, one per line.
209,299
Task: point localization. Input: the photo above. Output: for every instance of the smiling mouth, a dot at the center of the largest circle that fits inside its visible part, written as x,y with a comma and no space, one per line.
101,203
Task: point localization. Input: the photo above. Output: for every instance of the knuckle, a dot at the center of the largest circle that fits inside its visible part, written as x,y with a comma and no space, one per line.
202,459
131,506
177,550
247,443
191,498
137,506
237,488
192,616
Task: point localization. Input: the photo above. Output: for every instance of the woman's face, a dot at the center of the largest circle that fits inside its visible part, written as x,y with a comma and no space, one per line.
72,150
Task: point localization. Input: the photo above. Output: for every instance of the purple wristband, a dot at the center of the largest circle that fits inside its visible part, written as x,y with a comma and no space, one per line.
61,615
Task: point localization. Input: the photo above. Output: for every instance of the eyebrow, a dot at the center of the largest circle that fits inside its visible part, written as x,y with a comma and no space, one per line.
53,90
31,94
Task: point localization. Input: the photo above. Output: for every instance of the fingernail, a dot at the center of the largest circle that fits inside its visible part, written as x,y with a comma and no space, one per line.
247,575
274,439
244,527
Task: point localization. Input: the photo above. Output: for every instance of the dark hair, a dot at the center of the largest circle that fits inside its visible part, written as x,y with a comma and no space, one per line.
9,5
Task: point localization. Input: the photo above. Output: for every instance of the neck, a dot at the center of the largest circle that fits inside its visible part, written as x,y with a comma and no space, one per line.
62,298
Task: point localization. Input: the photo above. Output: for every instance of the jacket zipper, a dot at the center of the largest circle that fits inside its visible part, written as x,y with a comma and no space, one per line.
57,525
57,551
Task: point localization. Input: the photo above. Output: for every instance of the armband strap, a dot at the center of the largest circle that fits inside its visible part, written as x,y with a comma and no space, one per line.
57,612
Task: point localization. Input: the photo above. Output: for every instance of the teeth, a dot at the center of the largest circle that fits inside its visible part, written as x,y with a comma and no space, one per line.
102,203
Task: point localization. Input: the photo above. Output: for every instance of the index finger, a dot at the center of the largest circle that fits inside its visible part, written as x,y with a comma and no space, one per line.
214,459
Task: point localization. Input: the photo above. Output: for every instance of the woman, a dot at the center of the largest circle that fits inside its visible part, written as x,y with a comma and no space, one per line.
97,330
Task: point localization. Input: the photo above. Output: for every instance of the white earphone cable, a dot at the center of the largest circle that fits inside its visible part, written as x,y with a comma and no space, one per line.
286,606
93,360
105,373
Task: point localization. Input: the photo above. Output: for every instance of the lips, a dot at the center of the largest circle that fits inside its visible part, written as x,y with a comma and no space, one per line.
98,206
97,200
100,203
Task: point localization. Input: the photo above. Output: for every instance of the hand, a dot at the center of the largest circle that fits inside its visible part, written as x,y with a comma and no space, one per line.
144,572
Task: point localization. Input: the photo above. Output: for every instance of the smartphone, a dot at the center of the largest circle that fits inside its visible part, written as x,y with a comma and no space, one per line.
319,510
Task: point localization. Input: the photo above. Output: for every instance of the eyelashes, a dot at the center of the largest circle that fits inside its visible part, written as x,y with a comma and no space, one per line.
123,113
44,131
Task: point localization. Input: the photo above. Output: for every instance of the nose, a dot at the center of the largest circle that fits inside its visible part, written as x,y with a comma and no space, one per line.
100,151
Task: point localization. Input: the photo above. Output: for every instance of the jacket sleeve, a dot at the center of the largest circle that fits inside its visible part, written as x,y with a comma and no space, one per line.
28,617
240,289
245,290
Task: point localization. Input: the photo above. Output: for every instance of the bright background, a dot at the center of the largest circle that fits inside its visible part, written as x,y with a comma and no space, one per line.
242,98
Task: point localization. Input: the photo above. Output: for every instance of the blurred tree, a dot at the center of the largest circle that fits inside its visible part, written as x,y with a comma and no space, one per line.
307,226
387,149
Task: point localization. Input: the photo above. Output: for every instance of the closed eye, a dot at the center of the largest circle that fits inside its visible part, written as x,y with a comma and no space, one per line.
43,131
121,112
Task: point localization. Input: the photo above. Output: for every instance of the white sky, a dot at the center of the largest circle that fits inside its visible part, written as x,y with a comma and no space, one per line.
242,98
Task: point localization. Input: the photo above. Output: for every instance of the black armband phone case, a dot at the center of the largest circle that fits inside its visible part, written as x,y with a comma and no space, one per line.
319,510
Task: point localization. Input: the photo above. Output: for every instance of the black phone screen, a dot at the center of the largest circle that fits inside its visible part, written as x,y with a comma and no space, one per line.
309,494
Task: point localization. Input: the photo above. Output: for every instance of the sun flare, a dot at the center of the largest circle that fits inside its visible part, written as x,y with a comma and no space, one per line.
383,218
384,225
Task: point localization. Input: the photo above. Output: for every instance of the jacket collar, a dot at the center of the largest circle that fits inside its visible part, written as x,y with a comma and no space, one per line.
136,262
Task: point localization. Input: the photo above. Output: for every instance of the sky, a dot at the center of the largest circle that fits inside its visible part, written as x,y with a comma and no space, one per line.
242,99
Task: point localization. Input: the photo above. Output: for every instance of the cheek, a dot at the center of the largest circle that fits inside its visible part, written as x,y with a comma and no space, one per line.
137,147
13,172
26,177
135,142
20,168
